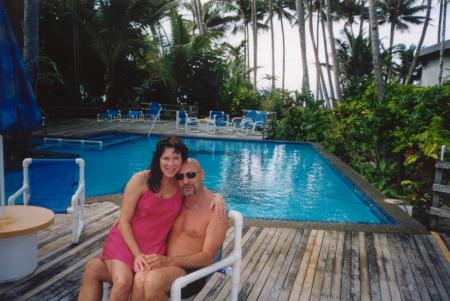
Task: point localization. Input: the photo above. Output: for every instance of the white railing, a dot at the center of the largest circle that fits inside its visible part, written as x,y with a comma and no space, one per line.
81,142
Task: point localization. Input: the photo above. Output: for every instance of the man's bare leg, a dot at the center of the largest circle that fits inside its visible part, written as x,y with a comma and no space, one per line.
122,280
155,284
94,274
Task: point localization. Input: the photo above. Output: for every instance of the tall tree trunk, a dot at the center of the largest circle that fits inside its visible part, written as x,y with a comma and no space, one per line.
76,54
327,60
361,20
255,45
336,68
197,14
391,44
441,9
247,32
31,39
419,46
375,41
283,74
316,56
441,52
300,9
273,43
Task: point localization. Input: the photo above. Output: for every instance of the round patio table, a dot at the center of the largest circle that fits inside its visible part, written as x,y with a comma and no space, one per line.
18,239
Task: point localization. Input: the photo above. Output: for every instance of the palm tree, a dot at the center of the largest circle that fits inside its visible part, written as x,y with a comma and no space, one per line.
412,68
399,13
355,68
375,42
320,79
327,60
336,68
197,14
272,43
31,39
441,51
300,10
282,12
116,30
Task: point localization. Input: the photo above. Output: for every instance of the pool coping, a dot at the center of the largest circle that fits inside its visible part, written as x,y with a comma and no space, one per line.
405,223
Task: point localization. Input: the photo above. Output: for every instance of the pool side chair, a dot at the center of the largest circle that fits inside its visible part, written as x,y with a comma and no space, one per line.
242,124
230,265
257,124
109,115
56,184
219,121
132,115
186,123
154,112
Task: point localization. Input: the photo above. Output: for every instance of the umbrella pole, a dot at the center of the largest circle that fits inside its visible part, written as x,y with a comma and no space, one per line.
2,179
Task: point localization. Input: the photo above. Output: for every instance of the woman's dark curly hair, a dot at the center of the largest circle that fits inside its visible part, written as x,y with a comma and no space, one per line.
154,180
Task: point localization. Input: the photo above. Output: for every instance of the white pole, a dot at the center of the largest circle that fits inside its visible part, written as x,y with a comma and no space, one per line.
2,179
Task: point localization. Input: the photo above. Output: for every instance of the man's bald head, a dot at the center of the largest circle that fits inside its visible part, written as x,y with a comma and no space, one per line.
191,177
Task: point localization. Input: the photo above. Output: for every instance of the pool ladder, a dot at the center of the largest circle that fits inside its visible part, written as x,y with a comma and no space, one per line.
153,125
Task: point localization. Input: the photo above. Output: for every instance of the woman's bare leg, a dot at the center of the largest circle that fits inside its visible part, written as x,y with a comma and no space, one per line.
94,274
122,280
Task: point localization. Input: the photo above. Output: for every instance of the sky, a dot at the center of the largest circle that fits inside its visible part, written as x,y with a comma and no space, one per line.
293,59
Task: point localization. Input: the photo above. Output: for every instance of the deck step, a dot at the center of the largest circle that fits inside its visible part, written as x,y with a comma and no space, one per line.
443,165
441,188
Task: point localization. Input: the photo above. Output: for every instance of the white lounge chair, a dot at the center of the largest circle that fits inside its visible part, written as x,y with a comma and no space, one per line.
51,183
231,265
183,121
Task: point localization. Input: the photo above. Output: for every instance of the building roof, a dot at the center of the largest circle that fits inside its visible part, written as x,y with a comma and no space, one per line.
434,49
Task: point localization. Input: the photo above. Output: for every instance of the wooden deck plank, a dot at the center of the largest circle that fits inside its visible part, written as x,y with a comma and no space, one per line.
259,265
288,261
263,278
375,293
311,270
433,269
275,271
382,277
248,263
292,274
298,283
416,267
408,273
398,268
337,271
346,267
355,284
325,293
438,257
321,264
363,267
390,272
220,288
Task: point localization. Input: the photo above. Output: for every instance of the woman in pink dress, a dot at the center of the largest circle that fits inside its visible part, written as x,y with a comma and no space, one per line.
151,202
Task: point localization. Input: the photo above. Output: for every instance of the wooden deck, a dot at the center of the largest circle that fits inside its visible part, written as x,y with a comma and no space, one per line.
278,264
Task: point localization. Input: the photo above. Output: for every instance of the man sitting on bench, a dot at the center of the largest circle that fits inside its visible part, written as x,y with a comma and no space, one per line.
196,237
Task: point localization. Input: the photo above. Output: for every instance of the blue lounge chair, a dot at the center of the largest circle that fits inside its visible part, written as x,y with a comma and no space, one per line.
133,115
183,121
219,120
56,184
109,115
242,124
154,111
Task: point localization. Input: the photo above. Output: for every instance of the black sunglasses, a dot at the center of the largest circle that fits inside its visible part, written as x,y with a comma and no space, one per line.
189,175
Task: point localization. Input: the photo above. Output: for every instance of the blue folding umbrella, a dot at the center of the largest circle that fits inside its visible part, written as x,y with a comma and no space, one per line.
18,107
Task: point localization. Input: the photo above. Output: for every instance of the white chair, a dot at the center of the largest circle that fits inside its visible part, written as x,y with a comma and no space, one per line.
183,121
51,183
231,264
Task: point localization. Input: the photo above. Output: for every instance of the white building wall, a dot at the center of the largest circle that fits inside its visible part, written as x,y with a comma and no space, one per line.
430,72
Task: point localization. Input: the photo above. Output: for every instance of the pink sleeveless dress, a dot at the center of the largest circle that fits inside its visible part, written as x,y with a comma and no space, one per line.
152,221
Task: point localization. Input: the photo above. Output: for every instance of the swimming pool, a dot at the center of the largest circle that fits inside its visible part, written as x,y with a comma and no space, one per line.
264,180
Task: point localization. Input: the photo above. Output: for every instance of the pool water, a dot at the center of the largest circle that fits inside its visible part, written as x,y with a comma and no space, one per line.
267,180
